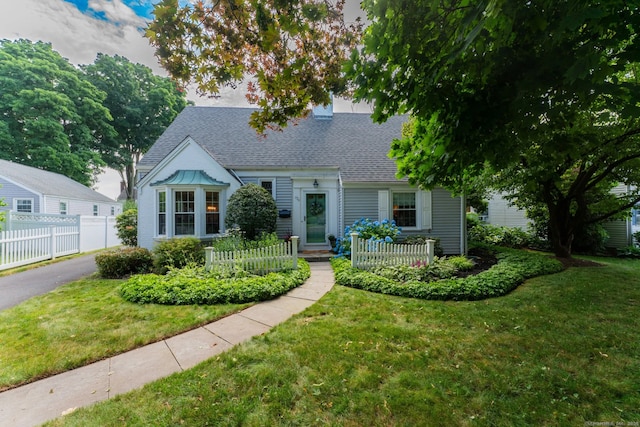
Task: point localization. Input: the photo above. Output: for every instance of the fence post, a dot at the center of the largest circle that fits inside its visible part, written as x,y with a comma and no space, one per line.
431,245
52,236
294,250
207,257
354,245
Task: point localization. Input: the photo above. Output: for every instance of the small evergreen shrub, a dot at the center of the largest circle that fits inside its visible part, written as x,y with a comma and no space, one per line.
513,267
194,285
127,227
252,209
499,235
123,262
177,252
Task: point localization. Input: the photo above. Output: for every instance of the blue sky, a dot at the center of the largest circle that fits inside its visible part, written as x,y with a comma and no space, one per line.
140,7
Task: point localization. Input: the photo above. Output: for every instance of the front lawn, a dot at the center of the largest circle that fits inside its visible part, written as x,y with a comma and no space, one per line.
561,349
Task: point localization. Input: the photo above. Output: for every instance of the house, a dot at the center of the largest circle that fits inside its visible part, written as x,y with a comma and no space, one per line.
501,212
324,172
26,189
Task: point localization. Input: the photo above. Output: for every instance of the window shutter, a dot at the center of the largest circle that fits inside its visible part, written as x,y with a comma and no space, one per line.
383,205
426,210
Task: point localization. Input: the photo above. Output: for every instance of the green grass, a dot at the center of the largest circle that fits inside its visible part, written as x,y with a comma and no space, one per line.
83,322
561,350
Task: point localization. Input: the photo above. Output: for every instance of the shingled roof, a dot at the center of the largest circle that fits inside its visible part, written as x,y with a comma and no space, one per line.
49,183
349,141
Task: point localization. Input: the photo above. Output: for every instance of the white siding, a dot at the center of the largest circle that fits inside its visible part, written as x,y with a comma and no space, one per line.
10,191
501,213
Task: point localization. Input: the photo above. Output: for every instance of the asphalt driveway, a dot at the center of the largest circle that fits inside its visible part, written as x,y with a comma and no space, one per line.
19,287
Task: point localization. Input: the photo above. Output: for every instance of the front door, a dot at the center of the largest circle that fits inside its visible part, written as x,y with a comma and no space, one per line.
316,218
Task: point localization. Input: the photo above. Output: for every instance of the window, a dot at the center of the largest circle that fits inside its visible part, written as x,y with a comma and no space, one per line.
63,208
212,212
185,213
95,210
113,210
404,209
24,205
162,213
269,185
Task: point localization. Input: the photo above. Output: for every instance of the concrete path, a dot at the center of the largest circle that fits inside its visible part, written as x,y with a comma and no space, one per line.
18,287
52,397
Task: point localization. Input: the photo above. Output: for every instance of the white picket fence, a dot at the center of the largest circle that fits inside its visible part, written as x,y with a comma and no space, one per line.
367,254
21,247
260,260
38,237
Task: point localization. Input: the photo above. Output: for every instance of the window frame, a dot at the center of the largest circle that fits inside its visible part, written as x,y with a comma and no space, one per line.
64,211
273,185
18,201
183,213
415,209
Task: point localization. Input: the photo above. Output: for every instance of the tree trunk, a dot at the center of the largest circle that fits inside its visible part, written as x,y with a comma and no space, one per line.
129,181
561,229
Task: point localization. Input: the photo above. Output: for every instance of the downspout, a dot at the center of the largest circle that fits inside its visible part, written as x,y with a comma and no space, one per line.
340,206
463,224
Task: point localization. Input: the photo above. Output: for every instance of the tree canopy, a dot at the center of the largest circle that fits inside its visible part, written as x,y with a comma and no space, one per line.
142,105
291,52
50,116
544,93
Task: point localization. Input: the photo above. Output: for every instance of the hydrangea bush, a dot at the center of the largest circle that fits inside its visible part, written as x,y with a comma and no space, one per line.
367,229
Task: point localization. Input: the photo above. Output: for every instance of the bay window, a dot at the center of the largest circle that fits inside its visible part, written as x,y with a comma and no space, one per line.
185,213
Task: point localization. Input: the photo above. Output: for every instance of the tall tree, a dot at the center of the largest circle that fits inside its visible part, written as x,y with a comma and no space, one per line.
142,105
50,117
291,52
545,93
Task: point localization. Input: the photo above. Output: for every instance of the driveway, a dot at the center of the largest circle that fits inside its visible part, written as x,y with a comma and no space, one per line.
18,287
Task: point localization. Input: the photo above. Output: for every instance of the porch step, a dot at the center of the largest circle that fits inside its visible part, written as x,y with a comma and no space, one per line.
317,256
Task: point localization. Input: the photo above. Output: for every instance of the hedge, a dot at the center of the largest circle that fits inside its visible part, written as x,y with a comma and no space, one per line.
513,268
192,285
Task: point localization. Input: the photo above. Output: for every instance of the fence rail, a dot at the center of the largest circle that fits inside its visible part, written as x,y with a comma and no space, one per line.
368,254
261,260
21,247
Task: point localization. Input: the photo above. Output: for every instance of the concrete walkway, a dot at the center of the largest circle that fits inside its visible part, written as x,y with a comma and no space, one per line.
35,403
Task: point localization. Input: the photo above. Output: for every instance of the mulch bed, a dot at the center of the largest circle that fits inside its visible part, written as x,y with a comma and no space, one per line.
576,262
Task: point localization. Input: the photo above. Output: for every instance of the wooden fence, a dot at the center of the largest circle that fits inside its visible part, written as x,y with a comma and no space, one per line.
368,254
21,247
261,260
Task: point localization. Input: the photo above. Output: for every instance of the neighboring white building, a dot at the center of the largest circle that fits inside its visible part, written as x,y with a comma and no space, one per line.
324,172
26,189
501,212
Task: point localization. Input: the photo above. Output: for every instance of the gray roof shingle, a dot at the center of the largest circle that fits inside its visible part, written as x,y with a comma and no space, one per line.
349,141
49,183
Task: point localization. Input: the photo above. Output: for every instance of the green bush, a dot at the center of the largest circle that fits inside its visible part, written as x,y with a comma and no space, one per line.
513,267
123,262
234,240
441,268
499,235
194,285
127,227
415,239
252,209
177,252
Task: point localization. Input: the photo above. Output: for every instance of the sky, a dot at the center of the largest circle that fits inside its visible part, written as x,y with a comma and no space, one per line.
80,29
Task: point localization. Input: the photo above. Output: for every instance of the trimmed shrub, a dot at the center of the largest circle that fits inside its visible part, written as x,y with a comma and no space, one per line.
194,285
513,267
127,227
177,252
499,235
123,262
252,209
